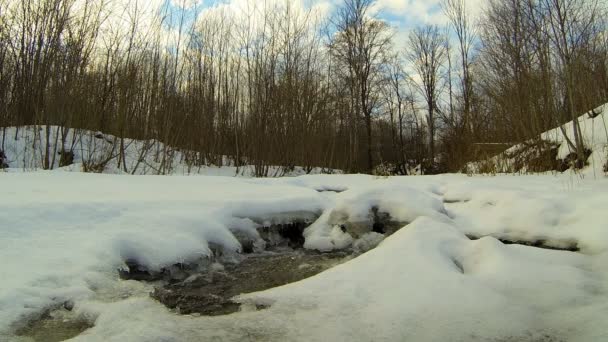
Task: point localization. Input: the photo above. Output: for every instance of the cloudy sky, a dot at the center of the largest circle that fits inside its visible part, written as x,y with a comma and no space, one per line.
401,14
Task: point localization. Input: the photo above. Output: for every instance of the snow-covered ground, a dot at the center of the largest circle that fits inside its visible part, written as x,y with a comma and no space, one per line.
25,150
64,235
594,133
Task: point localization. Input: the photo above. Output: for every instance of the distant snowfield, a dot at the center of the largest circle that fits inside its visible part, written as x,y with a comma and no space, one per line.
64,235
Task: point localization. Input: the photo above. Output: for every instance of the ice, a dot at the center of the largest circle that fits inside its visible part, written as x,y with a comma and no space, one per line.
367,242
401,202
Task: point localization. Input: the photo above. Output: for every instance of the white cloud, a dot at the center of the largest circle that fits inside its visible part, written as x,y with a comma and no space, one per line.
397,7
414,12
187,4
251,12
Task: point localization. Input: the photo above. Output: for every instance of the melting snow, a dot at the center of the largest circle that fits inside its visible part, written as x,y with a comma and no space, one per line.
64,235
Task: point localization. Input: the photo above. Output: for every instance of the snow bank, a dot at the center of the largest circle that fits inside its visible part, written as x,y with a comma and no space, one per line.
25,147
593,128
426,283
64,235
594,131
560,213
430,283
60,229
354,210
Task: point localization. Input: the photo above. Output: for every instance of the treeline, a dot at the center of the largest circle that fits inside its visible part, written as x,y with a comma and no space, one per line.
278,85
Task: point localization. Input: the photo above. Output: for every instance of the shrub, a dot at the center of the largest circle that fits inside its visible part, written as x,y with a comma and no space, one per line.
384,170
94,165
3,160
66,158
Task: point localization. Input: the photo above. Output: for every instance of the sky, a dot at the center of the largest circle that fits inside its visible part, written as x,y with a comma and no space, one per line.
403,15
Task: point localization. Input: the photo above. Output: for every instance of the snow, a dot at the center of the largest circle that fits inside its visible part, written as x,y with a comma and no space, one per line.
404,204
594,133
560,212
367,242
64,235
58,227
25,148
411,288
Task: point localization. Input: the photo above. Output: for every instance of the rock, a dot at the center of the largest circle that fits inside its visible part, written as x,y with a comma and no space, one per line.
178,272
138,272
377,221
284,234
192,303
68,305
283,229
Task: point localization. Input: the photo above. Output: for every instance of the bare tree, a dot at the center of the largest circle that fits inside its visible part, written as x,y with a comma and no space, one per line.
573,25
465,33
361,43
427,53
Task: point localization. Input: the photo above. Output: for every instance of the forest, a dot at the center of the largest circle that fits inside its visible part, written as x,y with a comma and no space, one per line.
304,170
288,85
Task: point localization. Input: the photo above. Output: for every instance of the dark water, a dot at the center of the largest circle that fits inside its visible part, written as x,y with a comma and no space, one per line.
210,292
58,325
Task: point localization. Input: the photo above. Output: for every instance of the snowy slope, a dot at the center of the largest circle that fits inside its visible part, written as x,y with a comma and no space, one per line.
594,130
64,235
24,148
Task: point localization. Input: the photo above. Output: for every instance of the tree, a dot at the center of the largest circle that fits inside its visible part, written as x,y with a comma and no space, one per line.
427,53
574,25
465,32
361,44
